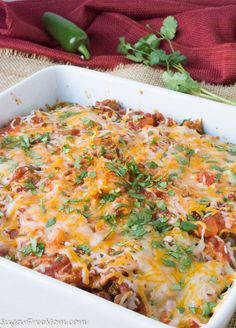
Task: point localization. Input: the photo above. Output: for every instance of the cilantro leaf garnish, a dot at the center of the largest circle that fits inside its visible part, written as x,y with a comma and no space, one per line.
87,122
110,197
44,138
161,225
33,248
92,174
118,170
84,248
110,219
208,309
29,184
24,142
152,165
138,221
187,226
50,222
177,256
65,149
63,116
168,262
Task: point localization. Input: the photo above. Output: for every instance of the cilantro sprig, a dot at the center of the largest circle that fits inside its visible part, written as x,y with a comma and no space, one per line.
147,50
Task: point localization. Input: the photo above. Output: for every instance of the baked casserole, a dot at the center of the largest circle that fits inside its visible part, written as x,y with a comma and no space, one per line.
130,206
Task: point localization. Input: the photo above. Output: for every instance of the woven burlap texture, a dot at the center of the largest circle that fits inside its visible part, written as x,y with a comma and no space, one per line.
15,66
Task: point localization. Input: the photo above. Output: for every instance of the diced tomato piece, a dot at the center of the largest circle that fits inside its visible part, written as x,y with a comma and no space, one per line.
211,226
36,120
165,317
13,233
159,117
19,173
14,123
214,224
10,126
75,132
193,324
4,249
170,122
110,103
207,178
219,248
139,123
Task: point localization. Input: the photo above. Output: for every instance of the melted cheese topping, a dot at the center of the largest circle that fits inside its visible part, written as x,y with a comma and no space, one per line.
130,206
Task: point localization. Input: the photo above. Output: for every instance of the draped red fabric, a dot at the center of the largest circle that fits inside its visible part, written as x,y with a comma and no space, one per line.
206,34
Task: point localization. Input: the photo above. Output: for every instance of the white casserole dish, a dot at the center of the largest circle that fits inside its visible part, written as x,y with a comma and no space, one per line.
28,294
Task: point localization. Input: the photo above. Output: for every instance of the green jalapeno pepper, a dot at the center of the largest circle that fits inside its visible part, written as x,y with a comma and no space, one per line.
70,36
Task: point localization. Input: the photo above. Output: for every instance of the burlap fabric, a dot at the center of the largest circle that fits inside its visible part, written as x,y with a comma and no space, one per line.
15,66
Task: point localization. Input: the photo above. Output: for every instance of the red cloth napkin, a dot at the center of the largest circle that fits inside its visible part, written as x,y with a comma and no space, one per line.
206,35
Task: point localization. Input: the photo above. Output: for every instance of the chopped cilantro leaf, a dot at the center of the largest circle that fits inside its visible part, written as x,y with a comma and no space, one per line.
113,194
65,149
50,222
133,194
154,141
161,225
192,309
176,287
86,121
110,219
137,117
213,280
3,159
102,151
119,170
217,168
152,165
42,205
171,192
122,141
92,174
44,138
67,114
208,308
161,205
33,248
136,225
80,178
168,262
24,142
204,201
84,248
77,162
162,185
182,160
187,226
119,205
29,184
181,310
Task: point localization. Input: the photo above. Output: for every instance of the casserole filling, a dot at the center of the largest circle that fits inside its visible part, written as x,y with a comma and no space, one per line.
129,206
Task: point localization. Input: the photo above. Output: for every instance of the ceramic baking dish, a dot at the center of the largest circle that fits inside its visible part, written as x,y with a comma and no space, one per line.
28,294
